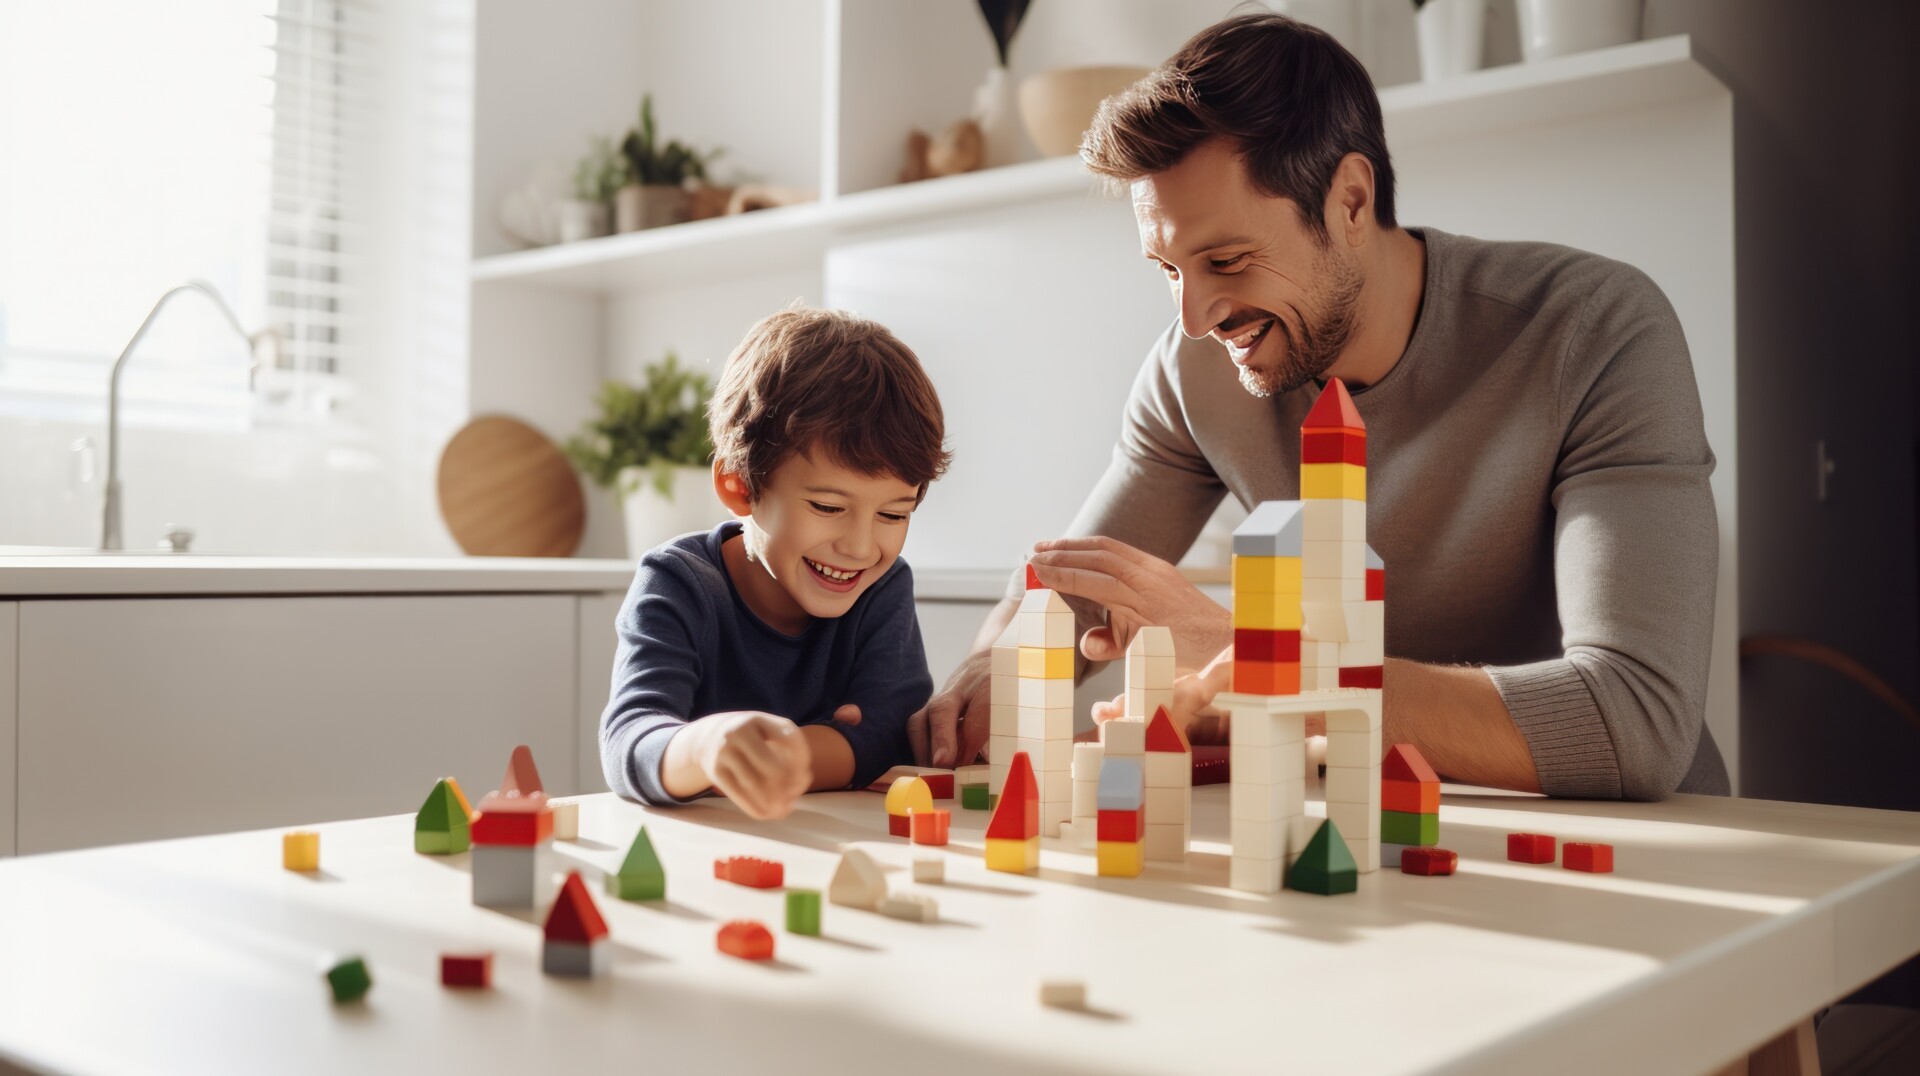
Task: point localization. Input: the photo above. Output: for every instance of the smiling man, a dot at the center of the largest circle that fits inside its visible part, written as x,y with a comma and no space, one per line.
1538,465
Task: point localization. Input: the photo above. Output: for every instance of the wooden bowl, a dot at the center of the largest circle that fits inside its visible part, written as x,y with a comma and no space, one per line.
1058,106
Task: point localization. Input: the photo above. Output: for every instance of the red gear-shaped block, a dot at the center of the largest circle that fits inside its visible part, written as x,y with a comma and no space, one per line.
745,939
1530,847
750,871
1427,861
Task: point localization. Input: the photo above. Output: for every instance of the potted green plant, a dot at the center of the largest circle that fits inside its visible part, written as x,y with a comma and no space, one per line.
595,179
658,175
649,444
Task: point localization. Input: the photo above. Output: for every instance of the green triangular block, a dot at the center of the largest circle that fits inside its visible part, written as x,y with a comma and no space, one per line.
641,876
1326,866
441,826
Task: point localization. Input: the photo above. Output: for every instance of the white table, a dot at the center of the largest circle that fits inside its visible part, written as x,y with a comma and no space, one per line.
1725,922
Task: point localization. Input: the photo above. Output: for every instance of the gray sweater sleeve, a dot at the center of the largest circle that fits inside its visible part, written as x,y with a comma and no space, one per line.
1636,547
656,669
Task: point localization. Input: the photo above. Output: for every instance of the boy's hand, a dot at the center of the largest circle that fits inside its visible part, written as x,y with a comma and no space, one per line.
1192,709
759,761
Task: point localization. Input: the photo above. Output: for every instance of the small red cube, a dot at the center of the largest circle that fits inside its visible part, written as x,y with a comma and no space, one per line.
1530,847
900,825
940,784
930,827
1584,856
750,871
745,939
1427,861
1123,826
466,969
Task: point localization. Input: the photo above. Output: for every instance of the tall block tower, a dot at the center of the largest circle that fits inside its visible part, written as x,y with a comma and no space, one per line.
1044,699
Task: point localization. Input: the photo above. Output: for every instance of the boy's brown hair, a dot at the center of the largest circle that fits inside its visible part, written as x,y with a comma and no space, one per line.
806,380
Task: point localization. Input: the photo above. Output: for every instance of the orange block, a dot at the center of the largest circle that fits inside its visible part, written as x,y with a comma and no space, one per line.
1411,797
1266,677
930,827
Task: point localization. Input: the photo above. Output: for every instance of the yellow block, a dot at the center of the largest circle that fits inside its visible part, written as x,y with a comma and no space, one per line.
1046,662
1014,857
1120,859
1266,575
1333,481
300,850
1267,612
465,807
907,794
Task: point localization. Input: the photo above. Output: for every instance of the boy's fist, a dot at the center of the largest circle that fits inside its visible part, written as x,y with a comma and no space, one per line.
759,761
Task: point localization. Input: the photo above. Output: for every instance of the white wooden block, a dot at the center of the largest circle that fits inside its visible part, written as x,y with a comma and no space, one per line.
1154,640
1366,855
1046,694
1352,784
1333,560
1166,843
1142,702
1052,817
1335,520
857,881
1265,802
1168,804
1333,590
566,821
1266,765
1255,875
1003,719
1124,736
1363,653
1160,671
1050,629
970,775
1359,712
1257,728
1006,653
928,869
1056,755
1000,750
1036,723
1056,786
997,777
1261,838
1063,994
1319,652
1354,748
1325,621
1319,678
1086,799
1086,761
1006,690
1169,769
916,907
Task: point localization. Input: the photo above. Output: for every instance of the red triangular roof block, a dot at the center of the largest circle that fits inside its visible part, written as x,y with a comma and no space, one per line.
1033,579
1404,762
1164,735
575,918
1334,409
520,790
1017,814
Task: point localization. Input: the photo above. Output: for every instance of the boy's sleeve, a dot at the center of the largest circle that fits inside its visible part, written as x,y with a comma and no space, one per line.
655,670
890,680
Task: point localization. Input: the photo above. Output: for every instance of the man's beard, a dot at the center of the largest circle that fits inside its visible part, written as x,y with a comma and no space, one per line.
1307,354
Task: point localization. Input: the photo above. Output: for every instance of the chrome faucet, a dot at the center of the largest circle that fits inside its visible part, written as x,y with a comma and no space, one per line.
267,338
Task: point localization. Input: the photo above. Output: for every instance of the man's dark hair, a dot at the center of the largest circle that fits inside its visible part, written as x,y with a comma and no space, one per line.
1288,96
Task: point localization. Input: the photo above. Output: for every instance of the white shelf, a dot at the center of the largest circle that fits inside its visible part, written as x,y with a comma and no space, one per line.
1503,98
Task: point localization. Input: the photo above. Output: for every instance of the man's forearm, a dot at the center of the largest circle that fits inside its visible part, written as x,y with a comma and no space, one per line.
1454,715
997,620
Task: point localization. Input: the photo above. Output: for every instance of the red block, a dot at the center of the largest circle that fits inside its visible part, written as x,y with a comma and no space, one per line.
898,825
940,784
1411,797
1163,736
1428,861
1333,409
746,939
574,916
1266,677
1404,762
1033,579
750,871
1592,858
1333,446
930,827
466,970
1255,644
1530,847
520,828
1016,816
1124,826
1363,676
1376,584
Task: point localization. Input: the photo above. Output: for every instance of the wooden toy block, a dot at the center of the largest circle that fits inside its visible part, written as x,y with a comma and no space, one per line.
1250,644
1390,853
1333,446
1335,521
1167,804
745,939
576,960
512,827
1376,585
1427,861
1333,480
1119,859
505,875
913,907
1323,591
1123,784
1004,659
1086,761
1170,770
803,911
466,809
1592,857
1151,641
1350,784
1124,736
1063,994
1410,797
930,870
1265,802
349,979
1013,856
523,778
1266,677
750,871
975,774
1267,612
1326,866
1255,875
908,794
1334,560
574,916
1370,677
566,821
939,784
1334,409
1045,695
973,797
1404,762
1353,748
1266,575
1274,765
1164,737
1120,825
1166,843
640,877
857,881
1530,847
1272,529
930,827
300,850
1368,650
474,970
1047,663
442,825
1017,815
1402,827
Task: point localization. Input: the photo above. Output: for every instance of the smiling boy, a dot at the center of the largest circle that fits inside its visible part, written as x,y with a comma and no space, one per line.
780,652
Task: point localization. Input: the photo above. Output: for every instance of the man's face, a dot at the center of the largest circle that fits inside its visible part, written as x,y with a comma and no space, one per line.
1247,271
827,533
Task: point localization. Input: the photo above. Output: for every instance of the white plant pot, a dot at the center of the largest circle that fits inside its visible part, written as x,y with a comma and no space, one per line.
996,108
1450,33
582,220
653,520
1550,28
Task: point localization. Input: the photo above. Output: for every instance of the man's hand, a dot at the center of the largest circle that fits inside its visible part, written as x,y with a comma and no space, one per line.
1192,709
952,728
1138,590
759,761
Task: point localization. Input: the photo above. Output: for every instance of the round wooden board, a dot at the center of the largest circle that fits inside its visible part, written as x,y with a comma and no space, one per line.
507,491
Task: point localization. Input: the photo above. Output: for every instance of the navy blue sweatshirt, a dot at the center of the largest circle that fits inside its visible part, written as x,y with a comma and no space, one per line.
689,647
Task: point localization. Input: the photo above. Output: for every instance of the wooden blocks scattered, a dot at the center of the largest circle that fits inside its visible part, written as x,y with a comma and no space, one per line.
1592,857
745,939
1427,861
1399,827
857,881
913,907
349,979
507,832
1013,833
803,911
575,936
566,821
1169,782
907,795
1043,701
1326,866
930,827
1063,994
1119,850
972,782
930,870
300,850
750,871
467,970
1530,848
640,877
442,825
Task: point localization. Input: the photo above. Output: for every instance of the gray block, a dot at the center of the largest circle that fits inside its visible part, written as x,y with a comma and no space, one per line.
575,960
504,876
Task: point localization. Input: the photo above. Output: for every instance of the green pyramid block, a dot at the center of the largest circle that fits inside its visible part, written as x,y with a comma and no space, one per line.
1399,827
349,979
441,826
1326,866
641,876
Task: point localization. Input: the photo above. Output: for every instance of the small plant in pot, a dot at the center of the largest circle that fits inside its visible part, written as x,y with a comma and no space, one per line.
595,179
649,444
659,176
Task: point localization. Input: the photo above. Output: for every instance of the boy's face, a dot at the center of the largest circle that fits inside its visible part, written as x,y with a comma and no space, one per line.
828,532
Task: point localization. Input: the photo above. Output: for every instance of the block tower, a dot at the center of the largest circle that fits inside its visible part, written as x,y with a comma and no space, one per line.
510,836
1120,848
1169,773
1149,671
1044,686
1409,802
1308,638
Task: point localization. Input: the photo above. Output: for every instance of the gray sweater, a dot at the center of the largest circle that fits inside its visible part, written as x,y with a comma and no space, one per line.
1536,483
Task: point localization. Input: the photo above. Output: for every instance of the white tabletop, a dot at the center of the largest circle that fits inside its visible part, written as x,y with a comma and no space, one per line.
1726,921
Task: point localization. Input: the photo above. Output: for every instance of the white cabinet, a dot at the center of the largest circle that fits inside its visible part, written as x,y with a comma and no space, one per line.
595,666
166,717
9,699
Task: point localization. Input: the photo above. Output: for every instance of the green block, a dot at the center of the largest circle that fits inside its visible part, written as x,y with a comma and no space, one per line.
803,911
1399,827
993,801
1326,866
441,826
641,877
349,979
974,798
